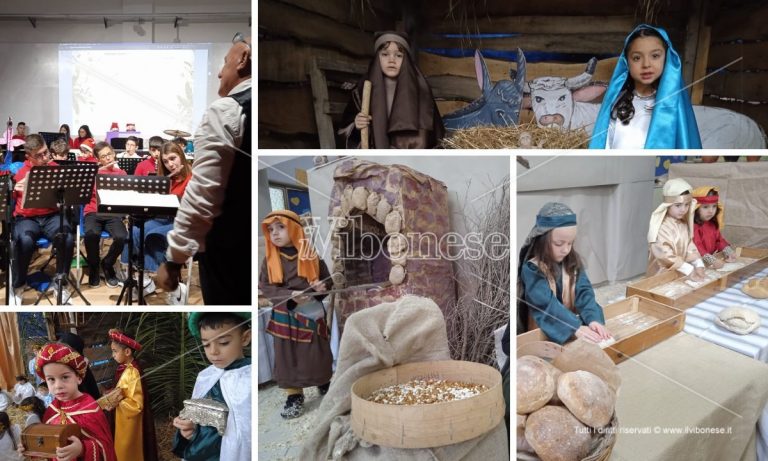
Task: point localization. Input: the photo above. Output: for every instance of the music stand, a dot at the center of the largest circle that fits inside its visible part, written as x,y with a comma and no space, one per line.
141,184
72,157
129,164
6,186
60,186
50,136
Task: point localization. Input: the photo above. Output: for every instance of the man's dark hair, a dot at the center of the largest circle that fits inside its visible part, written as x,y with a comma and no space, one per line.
156,142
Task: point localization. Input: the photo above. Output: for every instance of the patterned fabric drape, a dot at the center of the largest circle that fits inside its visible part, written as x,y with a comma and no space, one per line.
11,355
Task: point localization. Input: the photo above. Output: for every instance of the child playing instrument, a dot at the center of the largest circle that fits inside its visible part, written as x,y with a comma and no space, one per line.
63,369
646,105
290,270
96,222
173,164
403,112
83,133
708,221
134,426
670,234
225,336
131,144
554,292
149,165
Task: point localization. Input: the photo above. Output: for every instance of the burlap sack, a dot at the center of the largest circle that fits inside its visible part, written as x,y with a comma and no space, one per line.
411,329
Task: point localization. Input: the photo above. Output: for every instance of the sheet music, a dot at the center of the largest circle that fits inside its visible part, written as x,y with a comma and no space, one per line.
137,199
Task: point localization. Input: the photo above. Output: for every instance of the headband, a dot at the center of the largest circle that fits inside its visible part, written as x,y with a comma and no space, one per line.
391,37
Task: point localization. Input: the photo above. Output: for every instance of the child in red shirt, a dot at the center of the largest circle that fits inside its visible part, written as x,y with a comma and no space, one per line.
707,223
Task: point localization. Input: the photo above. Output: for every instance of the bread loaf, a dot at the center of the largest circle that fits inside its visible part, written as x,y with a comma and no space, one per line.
556,435
535,384
587,396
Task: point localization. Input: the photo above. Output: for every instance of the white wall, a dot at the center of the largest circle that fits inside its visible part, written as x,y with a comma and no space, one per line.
612,198
29,56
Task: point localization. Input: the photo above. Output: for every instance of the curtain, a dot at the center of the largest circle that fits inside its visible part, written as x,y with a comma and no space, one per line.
11,355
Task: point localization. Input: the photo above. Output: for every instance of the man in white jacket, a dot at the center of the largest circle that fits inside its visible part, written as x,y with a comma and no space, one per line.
214,217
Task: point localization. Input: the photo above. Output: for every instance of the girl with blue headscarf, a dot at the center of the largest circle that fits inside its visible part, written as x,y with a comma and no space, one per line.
553,290
646,104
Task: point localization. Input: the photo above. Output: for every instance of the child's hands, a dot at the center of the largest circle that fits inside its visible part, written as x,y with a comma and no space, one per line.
362,121
319,286
697,275
718,264
71,451
185,427
299,297
587,334
601,330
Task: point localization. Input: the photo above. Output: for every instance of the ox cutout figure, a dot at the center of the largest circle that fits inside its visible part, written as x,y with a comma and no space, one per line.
499,105
564,103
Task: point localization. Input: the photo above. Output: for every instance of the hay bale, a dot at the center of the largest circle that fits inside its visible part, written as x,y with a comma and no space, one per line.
498,137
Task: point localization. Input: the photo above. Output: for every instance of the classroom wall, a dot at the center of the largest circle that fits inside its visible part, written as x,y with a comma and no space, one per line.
29,55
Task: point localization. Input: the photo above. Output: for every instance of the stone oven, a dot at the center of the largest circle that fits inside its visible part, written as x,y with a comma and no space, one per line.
388,223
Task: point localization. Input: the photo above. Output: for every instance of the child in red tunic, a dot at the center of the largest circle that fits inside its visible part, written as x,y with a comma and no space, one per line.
707,223
63,369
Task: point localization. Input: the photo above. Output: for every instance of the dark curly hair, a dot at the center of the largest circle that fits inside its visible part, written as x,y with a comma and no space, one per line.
623,108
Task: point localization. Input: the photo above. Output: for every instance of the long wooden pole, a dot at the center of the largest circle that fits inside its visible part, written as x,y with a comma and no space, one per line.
365,109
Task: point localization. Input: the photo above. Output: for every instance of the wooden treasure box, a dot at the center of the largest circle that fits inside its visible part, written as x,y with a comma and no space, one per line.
672,289
42,440
636,324
427,425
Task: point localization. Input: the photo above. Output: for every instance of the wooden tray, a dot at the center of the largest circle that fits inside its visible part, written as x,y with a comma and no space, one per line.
645,287
637,323
432,425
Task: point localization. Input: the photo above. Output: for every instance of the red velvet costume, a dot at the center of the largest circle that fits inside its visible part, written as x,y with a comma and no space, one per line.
86,413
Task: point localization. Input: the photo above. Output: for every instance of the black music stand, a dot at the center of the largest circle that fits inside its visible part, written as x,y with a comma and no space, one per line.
145,185
6,186
60,186
129,164
50,136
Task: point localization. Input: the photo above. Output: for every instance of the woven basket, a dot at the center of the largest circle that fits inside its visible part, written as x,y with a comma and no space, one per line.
602,445
427,425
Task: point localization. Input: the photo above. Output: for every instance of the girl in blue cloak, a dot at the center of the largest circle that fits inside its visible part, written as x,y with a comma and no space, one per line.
646,104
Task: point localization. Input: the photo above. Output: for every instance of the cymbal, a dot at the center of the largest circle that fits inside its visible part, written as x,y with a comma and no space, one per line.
177,133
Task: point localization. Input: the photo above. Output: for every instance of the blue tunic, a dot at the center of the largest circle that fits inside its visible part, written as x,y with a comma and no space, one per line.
555,320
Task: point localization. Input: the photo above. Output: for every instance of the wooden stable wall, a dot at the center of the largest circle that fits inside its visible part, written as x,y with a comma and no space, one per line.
742,87
292,35
327,44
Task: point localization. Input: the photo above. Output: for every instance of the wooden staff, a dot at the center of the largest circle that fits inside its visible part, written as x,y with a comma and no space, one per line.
365,110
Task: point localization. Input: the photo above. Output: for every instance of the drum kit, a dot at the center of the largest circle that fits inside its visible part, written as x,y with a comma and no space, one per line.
177,133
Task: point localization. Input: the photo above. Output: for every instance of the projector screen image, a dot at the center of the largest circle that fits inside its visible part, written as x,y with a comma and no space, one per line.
156,87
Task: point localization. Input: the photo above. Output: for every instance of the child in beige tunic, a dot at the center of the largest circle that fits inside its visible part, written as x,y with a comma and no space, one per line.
670,234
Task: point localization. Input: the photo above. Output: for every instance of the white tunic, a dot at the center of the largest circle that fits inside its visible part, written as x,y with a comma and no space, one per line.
236,387
632,135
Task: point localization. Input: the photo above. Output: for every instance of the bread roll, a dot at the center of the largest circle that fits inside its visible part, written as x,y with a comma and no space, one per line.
587,396
556,435
535,384
522,444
